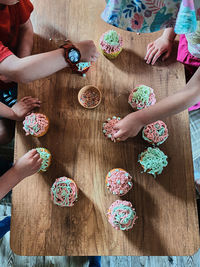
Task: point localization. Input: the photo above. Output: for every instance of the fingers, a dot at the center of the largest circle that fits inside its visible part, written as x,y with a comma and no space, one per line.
151,54
119,134
36,156
150,48
156,56
32,152
25,98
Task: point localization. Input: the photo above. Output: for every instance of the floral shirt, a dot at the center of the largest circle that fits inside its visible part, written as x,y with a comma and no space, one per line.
146,16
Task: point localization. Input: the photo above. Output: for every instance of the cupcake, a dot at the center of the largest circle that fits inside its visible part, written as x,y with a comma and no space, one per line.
108,130
36,124
45,155
118,182
141,97
64,192
121,215
111,44
153,160
155,133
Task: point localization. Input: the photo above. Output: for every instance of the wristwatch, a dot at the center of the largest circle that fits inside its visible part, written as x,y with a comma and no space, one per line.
72,54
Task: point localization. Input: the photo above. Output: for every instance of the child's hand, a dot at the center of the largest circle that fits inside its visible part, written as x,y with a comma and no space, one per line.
88,51
27,165
157,48
128,127
24,106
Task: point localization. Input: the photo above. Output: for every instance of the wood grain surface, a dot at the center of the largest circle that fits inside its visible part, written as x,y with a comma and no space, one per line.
166,207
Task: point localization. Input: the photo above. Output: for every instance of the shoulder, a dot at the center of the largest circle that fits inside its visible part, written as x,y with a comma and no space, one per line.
25,8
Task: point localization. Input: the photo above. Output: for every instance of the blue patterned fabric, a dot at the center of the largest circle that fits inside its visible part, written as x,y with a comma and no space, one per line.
146,16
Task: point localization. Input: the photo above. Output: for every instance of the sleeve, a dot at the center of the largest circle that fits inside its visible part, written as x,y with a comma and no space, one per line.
4,52
25,9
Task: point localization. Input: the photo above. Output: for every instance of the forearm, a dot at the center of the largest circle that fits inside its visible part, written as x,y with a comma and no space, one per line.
8,181
25,41
34,67
169,34
173,104
6,112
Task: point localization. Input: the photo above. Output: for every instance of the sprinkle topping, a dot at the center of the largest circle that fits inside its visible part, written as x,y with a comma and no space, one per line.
35,124
64,192
46,158
141,97
153,160
155,133
108,130
119,182
121,215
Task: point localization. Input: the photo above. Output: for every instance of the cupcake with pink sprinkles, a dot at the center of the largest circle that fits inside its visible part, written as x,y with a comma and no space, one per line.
36,124
118,182
121,215
108,129
141,96
64,192
155,133
111,44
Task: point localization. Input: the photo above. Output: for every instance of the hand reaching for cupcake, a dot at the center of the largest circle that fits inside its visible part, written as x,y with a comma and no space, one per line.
88,50
128,126
24,107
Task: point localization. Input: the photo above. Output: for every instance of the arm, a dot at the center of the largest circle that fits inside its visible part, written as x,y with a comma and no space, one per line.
25,39
38,66
25,166
133,123
20,109
160,46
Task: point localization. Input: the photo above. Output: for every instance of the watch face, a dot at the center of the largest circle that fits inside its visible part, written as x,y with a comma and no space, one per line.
74,55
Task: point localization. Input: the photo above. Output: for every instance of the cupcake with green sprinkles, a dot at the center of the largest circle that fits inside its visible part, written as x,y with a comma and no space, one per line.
45,155
108,128
155,133
111,44
119,182
36,124
153,160
141,96
64,192
121,215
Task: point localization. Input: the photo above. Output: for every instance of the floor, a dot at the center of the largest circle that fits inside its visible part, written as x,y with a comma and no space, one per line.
9,259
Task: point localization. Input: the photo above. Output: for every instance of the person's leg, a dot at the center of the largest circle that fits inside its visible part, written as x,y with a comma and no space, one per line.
4,226
94,261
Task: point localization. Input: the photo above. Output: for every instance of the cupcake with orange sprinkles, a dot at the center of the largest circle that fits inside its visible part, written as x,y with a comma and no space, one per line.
36,124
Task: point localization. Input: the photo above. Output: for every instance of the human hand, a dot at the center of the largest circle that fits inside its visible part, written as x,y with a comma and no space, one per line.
27,165
88,50
24,106
128,127
157,48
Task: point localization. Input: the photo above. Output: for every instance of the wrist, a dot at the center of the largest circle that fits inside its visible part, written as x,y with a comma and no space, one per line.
15,174
12,115
169,35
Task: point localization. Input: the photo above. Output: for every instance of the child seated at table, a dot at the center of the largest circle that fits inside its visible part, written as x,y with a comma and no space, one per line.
16,64
27,165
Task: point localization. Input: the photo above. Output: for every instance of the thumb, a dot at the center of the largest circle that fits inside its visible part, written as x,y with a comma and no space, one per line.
118,134
166,56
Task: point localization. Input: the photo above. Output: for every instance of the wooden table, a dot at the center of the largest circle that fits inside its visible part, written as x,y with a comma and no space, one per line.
166,207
